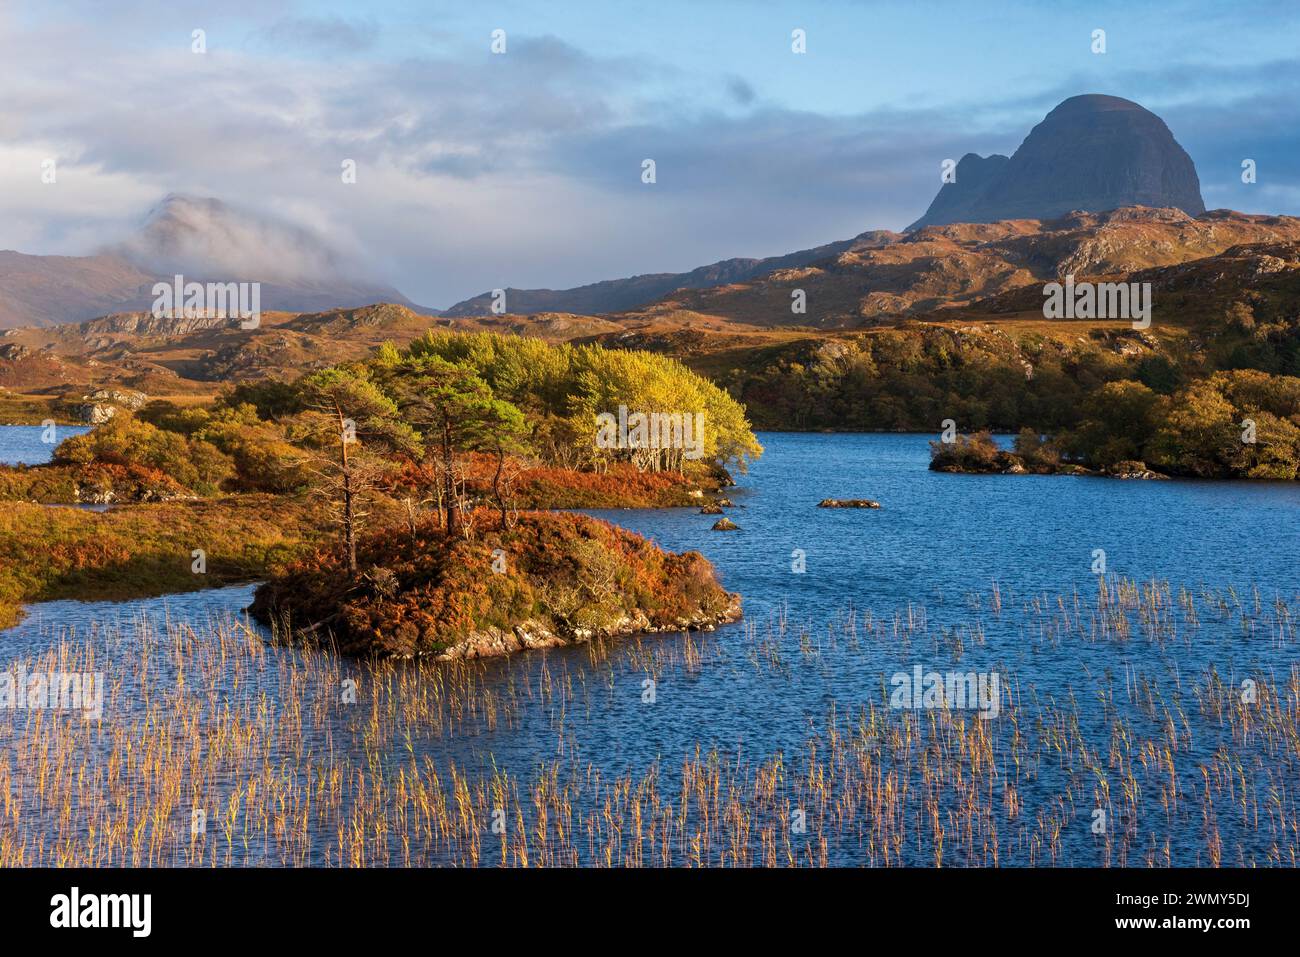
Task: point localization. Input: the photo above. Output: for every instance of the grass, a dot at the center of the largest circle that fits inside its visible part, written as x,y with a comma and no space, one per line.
49,553
289,772
19,409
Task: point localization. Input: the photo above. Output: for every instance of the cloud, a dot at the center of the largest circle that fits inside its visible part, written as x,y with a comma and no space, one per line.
476,170
206,238
320,34
740,90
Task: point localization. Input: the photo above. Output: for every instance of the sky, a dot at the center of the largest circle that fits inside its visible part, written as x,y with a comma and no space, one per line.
478,170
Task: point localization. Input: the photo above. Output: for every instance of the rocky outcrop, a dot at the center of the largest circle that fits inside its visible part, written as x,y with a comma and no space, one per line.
1090,153
102,404
529,635
725,525
847,503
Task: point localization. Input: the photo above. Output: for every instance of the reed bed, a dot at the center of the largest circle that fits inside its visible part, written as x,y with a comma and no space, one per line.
768,744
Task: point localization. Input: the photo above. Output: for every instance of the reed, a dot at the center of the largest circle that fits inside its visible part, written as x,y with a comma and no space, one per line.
424,767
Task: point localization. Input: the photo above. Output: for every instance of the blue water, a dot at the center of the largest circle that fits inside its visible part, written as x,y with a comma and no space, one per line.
938,536
33,444
968,573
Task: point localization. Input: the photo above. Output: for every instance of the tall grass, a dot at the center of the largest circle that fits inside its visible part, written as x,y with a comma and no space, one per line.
260,737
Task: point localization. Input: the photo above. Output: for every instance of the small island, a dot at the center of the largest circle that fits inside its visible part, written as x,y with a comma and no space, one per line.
545,580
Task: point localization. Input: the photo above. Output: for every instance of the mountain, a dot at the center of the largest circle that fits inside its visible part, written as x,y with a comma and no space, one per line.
184,355
1091,153
939,268
205,240
618,295
47,290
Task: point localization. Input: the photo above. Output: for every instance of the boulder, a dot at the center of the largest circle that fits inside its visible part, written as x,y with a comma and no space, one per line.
847,503
725,525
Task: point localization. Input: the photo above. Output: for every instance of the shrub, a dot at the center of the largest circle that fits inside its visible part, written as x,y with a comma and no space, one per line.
973,453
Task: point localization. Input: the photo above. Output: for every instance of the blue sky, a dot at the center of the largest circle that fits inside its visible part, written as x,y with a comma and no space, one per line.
477,171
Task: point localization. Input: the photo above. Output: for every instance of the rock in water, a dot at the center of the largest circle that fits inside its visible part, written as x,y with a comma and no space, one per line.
725,525
848,503
1091,153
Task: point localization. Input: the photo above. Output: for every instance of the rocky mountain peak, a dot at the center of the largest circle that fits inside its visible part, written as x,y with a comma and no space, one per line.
1091,153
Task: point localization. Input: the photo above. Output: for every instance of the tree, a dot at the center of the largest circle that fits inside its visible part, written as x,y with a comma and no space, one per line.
449,406
1119,420
504,431
358,420
1200,435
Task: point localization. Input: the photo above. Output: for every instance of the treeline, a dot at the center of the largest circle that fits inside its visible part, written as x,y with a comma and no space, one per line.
1221,402
1238,424
564,388
1241,424
914,377
448,424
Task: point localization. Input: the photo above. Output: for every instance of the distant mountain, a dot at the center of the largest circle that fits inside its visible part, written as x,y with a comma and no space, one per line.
49,290
205,240
177,355
1092,153
618,295
938,268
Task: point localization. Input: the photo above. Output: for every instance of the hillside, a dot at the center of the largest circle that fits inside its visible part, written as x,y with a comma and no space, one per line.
617,295
944,267
167,356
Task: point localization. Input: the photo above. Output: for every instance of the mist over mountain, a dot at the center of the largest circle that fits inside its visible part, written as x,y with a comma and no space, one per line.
1091,153
203,239
205,236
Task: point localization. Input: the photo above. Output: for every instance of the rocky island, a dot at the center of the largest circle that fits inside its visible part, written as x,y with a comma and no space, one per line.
545,581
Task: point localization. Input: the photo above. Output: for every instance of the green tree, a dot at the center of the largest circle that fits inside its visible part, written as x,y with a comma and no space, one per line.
449,405
356,424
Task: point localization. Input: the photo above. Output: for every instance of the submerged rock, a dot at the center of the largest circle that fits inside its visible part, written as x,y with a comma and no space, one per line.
847,503
711,509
